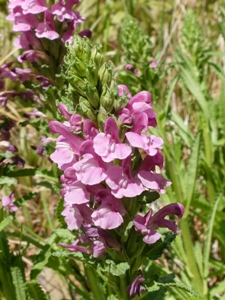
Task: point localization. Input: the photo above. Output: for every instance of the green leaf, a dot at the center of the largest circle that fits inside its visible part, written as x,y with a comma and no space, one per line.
179,285
64,234
153,252
5,222
207,244
192,171
43,257
5,180
18,283
35,291
25,198
118,269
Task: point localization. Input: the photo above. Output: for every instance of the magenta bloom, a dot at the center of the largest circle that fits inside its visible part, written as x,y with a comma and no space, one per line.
148,224
121,182
77,215
34,6
46,29
63,154
109,214
7,203
108,145
149,143
74,247
136,287
90,170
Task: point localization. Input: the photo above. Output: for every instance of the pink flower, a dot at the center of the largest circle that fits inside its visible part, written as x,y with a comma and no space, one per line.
147,224
123,90
108,145
63,156
27,39
109,214
7,203
34,6
136,287
21,21
140,110
149,143
76,215
76,193
121,182
153,64
153,181
72,139
90,170
46,29
74,247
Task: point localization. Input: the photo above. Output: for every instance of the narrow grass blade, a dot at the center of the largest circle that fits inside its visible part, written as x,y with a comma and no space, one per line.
207,244
192,170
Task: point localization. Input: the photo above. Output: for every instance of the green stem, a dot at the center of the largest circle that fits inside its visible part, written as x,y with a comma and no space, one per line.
196,276
208,157
94,283
123,288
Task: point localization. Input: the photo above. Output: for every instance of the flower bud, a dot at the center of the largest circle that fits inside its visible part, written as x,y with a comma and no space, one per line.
96,56
92,95
77,83
105,74
84,109
92,74
107,98
79,67
101,118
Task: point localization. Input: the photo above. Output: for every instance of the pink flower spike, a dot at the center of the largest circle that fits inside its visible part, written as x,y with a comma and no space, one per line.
108,146
149,143
7,203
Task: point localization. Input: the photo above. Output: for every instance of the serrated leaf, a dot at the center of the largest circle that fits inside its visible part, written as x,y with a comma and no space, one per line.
118,269
64,233
35,291
59,209
156,295
5,222
25,198
5,180
179,285
18,283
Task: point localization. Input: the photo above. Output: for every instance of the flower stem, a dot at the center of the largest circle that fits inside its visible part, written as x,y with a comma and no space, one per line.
94,283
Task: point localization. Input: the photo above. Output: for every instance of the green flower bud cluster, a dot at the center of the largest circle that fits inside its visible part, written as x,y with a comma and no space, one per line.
91,80
136,44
